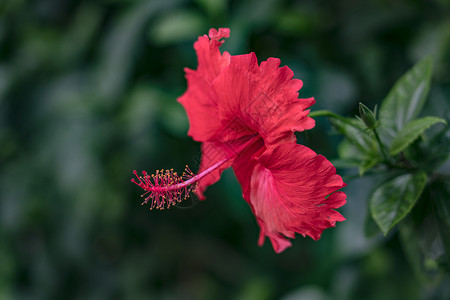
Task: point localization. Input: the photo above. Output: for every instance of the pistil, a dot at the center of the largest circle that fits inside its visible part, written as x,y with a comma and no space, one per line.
166,188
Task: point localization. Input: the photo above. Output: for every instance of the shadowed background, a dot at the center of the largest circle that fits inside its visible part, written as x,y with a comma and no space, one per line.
88,94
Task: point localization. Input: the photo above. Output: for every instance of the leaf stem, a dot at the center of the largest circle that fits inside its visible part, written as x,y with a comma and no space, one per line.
327,113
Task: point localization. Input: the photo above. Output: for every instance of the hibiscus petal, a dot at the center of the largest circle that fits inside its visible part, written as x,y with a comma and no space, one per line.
244,164
293,190
263,98
199,100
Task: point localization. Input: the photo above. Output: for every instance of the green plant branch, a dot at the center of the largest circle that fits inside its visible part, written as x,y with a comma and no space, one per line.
327,113
380,145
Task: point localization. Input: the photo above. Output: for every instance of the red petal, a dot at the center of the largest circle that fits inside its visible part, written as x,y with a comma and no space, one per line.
263,98
244,164
288,194
199,100
210,61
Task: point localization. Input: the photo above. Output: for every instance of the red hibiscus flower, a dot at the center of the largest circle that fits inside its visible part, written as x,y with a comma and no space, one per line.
245,116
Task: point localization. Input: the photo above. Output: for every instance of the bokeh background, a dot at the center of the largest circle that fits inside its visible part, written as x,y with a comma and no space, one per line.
88,94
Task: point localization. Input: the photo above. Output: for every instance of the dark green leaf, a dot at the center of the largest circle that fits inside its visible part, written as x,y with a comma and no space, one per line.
406,99
418,243
440,195
393,200
411,132
437,149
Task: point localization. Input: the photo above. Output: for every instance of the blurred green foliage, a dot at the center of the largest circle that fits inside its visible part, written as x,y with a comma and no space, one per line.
88,93
411,197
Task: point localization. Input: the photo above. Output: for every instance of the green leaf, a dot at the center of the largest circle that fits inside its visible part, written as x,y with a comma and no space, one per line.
406,99
411,132
440,195
425,232
437,149
393,200
355,132
418,244
359,143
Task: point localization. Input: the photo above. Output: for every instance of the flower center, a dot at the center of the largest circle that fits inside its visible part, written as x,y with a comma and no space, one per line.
166,188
